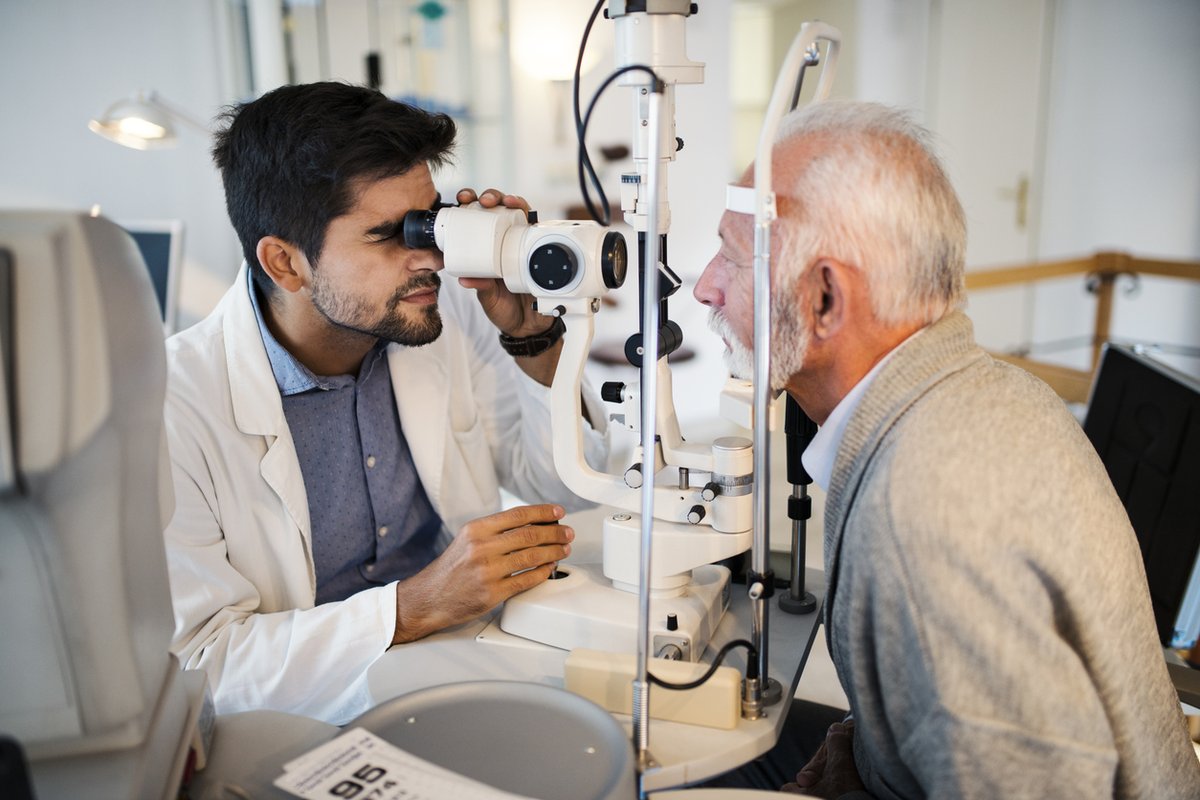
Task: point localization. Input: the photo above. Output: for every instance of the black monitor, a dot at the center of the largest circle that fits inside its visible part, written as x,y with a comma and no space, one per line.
161,244
1144,420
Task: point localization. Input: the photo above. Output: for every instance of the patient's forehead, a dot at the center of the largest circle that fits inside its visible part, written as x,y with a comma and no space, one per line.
736,231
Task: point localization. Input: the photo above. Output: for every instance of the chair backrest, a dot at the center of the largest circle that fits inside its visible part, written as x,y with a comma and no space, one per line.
85,608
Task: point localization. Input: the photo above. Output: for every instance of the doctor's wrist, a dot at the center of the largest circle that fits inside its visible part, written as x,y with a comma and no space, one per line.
415,617
535,345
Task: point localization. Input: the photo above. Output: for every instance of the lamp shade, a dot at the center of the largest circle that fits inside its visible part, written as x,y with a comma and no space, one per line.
142,122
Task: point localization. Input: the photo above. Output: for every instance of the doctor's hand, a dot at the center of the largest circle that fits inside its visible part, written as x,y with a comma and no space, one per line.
491,559
830,773
512,313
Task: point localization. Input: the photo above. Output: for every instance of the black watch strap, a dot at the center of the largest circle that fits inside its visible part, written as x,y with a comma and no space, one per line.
535,345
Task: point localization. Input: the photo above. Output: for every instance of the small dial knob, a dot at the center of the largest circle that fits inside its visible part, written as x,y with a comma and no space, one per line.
633,476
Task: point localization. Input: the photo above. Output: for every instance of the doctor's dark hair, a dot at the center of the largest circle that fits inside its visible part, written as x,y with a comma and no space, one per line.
291,160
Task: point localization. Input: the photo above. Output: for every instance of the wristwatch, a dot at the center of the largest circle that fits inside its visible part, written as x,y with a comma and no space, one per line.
535,345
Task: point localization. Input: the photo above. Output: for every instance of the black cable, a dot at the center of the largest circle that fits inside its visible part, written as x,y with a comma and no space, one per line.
579,58
585,161
751,667
587,170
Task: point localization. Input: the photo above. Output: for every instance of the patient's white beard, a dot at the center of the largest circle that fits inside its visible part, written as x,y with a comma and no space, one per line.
789,340
738,358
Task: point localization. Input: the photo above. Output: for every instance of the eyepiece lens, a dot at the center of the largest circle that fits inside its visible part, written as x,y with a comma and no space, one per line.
418,229
614,260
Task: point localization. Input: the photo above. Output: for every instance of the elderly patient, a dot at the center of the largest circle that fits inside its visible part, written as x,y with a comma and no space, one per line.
987,609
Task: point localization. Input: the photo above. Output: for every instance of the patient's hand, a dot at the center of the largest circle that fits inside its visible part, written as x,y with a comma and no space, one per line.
831,772
491,559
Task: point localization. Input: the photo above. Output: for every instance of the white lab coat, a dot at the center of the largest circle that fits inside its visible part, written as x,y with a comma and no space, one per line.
239,546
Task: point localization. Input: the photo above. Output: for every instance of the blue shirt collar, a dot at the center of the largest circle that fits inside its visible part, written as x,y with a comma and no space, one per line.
291,376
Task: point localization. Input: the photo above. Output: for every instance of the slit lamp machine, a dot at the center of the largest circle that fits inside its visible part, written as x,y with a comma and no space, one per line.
680,505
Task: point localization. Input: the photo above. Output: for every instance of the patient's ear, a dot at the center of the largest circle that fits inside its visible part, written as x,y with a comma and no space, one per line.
828,295
283,262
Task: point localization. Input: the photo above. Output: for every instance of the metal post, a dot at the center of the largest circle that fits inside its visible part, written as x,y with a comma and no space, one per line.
649,385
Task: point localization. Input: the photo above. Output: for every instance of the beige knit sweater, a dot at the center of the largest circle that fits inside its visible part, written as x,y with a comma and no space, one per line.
987,607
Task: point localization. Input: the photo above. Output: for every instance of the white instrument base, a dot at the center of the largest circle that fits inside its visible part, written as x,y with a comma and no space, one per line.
583,609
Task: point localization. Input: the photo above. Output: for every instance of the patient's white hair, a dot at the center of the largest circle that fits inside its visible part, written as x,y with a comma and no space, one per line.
872,194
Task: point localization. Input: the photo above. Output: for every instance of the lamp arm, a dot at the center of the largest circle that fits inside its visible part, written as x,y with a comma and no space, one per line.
155,99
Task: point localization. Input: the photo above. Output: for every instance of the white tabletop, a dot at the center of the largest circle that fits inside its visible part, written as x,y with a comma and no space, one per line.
684,753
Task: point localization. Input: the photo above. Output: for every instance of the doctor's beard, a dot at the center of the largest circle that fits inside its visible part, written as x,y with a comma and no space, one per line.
395,326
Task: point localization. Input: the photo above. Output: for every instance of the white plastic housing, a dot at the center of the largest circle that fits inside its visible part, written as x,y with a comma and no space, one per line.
677,549
498,243
472,237
583,609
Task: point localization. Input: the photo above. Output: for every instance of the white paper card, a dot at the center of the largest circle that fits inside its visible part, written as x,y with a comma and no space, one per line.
358,765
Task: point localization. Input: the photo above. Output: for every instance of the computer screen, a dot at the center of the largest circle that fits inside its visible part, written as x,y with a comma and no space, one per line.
1144,421
161,243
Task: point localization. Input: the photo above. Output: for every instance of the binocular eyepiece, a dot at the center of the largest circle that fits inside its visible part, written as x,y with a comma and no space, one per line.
418,228
552,259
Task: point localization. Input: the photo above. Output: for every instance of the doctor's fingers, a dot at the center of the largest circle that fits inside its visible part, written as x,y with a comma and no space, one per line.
527,536
492,569
515,584
488,562
531,557
498,579
517,517
490,198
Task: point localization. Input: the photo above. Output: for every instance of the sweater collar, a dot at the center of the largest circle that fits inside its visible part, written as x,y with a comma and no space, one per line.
945,347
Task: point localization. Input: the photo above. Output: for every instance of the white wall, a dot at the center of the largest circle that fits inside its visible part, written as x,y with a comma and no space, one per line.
63,62
1122,169
1123,146
892,36
1123,163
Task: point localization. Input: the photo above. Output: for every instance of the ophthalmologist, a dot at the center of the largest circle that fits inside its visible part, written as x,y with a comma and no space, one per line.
340,426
